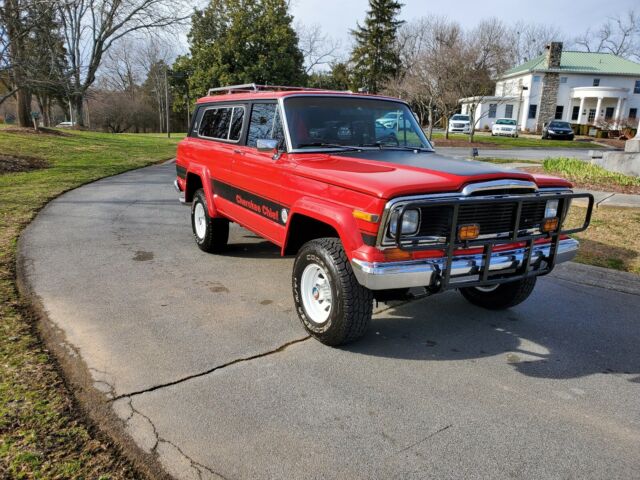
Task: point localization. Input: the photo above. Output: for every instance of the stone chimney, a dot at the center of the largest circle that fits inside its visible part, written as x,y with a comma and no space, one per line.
554,54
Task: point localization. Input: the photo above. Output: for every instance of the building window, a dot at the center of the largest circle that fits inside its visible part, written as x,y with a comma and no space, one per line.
596,82
493,108
508,111
633,112
636,89
563,79
575,113
608,113
533,110
559,112
536,78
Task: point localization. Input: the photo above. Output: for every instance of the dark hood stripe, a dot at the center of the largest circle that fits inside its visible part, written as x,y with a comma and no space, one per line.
428,161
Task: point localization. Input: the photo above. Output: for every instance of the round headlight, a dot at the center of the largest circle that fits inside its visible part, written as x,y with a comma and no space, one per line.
410,222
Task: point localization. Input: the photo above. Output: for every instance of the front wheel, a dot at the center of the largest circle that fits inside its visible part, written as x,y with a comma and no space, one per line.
333,307
500,296
211,234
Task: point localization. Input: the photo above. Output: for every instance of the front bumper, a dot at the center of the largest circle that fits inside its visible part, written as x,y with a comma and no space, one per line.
181,195
464,268
561,136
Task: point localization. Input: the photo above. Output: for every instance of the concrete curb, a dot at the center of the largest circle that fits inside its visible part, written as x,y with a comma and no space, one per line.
600,277
611,199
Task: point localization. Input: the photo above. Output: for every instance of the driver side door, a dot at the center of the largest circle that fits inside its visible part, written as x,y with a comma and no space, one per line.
259,175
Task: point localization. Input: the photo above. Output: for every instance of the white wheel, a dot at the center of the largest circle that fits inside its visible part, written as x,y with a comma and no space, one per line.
315,291
200,220
488,288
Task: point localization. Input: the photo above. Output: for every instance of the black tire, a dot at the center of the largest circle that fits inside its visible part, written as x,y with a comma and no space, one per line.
351,303
216,233
506,295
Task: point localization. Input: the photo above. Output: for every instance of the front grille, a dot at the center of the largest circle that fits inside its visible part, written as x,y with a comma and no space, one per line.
495,219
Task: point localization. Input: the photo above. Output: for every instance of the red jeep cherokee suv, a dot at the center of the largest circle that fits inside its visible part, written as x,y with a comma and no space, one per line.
350,185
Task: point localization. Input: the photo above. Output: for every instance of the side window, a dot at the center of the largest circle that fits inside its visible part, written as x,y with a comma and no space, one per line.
215,123
264,123
222,123
236,124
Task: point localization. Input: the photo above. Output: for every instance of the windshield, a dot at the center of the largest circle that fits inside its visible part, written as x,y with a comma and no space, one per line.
336,122
464,118
504,121
559,125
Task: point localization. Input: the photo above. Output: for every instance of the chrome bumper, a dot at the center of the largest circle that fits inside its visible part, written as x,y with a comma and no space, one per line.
425,272
180,192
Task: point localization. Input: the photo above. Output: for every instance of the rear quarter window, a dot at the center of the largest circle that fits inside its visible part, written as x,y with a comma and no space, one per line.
222,123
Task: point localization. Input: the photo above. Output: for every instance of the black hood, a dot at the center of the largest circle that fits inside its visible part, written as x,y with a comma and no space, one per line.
427,160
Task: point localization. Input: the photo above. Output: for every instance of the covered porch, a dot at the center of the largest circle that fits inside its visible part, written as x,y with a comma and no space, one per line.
598,105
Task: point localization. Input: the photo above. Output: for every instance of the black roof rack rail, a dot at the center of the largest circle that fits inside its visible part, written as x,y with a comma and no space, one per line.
253,87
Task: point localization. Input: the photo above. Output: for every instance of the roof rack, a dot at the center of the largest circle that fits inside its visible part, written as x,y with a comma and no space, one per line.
252,87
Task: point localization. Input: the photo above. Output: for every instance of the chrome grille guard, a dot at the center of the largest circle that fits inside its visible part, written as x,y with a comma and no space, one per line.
484,275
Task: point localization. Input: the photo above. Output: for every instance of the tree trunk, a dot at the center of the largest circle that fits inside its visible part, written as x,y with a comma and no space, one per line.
430,120
23,101
446,127
77,102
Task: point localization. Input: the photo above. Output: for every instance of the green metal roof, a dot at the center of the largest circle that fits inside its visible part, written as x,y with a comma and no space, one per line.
582,62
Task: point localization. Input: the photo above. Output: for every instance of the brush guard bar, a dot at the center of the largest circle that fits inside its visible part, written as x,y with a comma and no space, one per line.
533,259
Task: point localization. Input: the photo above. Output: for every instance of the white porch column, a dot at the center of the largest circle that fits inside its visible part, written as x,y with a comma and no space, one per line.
618,114
598,108
581,110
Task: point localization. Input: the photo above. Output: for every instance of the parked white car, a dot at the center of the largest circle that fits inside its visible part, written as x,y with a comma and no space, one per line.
66,125
505,126
460,124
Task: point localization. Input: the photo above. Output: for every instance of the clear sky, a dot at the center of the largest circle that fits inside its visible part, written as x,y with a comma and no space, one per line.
573,17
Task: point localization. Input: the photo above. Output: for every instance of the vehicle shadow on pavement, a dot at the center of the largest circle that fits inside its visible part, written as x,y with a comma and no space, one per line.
248,247
556,337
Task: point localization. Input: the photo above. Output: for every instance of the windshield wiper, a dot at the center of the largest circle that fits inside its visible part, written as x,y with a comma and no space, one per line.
329,145
385,146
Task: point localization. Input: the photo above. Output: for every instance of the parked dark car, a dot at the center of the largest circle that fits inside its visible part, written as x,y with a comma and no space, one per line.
557,130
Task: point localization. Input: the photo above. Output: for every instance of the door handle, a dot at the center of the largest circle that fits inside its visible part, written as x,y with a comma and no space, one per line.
238,151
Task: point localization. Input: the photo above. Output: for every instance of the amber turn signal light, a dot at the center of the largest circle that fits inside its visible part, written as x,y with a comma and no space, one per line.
549,224
469,232
367,217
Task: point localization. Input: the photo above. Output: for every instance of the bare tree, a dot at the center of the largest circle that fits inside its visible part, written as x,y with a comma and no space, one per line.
528,40
619,35
318,48
91,27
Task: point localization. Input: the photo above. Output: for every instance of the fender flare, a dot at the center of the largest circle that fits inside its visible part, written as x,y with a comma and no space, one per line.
335,215
202,172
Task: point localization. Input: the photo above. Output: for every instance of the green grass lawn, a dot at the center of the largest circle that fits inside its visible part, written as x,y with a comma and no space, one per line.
41,434
520,142
586,173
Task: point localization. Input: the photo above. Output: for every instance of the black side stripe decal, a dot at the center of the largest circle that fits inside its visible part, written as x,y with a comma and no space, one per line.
262,206
181,171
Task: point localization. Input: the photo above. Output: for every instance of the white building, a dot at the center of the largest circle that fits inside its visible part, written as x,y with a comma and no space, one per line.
578,87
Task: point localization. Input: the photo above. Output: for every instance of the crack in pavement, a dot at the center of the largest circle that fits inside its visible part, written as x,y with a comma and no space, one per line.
446,427
211,370
198,467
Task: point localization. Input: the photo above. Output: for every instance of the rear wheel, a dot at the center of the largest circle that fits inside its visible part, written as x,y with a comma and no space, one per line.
500,296
211,234
333,307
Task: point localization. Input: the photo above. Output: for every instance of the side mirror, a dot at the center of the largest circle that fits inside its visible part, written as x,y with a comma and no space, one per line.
267,145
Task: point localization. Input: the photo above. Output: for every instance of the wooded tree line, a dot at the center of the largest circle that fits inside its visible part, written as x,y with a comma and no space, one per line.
119,57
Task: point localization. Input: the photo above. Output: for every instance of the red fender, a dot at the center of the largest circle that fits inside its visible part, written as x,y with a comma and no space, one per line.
333,214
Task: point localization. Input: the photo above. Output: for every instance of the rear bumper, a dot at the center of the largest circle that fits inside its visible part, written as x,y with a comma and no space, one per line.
428,272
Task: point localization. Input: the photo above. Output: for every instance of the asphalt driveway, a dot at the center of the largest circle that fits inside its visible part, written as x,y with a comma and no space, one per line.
206,365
